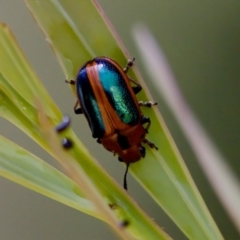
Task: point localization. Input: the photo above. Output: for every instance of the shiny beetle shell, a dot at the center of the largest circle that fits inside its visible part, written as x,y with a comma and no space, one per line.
109,103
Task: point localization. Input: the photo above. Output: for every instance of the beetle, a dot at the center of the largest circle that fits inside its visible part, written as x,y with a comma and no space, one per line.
107,99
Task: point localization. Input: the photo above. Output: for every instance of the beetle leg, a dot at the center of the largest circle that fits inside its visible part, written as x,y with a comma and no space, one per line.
147,104
142,151
77,110
138,87
71,81
129,64
150,144
146,120
120,159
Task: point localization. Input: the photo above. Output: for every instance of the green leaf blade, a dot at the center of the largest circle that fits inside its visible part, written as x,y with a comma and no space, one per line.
18,165
21,78
84,36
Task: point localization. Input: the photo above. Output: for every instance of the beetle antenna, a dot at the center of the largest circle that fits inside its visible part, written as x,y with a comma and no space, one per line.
125,177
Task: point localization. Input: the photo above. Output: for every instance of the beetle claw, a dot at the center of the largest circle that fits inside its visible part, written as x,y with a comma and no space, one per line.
71,81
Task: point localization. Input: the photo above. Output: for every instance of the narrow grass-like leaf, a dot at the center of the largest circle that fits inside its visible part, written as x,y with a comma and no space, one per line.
22,167
23,113
21,77
77,32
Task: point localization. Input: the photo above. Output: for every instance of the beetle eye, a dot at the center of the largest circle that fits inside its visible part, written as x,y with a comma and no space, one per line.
120,159
142,151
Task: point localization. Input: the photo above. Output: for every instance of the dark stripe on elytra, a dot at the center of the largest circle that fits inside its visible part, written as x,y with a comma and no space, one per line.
88,102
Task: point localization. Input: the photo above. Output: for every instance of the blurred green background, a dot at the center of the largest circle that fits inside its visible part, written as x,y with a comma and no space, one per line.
202,43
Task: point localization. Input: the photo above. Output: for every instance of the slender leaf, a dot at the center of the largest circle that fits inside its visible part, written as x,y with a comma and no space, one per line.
20,166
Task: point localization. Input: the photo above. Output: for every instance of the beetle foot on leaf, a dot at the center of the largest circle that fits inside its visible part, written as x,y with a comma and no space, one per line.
129,65
146,120
71,81
147,104
150,144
